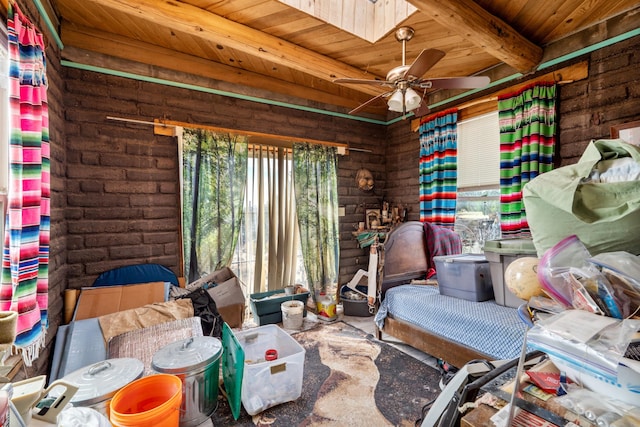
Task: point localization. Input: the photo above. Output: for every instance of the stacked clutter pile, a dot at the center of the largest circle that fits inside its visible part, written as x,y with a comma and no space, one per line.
153,356
587,323
585,303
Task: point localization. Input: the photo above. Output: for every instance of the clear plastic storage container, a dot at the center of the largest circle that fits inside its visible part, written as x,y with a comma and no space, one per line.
273,367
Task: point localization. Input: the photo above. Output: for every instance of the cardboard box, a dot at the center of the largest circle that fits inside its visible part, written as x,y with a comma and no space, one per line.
98,301
226,290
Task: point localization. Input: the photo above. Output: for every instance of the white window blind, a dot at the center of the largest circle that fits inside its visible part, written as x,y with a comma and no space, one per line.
479,152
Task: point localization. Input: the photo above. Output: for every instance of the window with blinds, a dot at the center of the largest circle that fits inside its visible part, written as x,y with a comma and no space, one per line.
479,152
478,197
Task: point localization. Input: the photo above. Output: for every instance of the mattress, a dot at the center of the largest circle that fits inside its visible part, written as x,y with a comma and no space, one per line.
487,327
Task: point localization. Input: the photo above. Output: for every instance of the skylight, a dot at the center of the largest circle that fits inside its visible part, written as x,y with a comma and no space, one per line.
368,19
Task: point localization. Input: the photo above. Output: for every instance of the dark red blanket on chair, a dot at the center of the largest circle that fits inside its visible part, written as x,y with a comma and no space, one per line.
440,241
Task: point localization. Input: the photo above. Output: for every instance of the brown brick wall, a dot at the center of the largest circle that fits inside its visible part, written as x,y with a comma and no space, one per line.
122,198
611,95
122,190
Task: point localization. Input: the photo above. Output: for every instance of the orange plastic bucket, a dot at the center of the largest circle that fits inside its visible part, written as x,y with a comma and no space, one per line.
152,401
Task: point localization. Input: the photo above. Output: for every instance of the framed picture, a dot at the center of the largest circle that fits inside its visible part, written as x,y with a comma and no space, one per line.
372,218
630,132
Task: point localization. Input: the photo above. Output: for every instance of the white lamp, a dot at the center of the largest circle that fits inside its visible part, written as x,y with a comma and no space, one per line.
396,101
411,100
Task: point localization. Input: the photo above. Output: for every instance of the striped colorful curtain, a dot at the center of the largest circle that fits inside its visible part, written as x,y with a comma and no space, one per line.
25,257
438,167
527,144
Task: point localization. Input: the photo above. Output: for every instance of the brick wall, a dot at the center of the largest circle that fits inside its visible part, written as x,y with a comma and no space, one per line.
611,95
122,186
403,157
586,110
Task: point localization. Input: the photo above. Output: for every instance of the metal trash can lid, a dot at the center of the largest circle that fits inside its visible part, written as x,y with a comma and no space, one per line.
187,355
100,381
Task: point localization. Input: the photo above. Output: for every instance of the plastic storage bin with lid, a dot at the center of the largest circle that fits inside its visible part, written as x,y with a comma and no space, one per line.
262,367
464,276
266,307
501,253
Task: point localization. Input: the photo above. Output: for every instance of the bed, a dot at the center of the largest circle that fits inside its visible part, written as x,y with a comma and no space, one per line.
412,310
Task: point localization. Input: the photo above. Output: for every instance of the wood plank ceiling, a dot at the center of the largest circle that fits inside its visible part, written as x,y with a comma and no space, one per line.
270,49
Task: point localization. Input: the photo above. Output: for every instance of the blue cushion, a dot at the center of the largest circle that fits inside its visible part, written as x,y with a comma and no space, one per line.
140,273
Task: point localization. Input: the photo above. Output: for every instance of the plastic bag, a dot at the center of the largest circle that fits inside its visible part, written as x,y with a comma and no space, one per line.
622,269
567,276
565,201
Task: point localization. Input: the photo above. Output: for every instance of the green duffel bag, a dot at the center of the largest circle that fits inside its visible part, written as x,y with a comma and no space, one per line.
604,215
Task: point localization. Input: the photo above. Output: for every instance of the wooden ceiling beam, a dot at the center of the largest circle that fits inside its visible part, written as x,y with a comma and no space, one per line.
182,17
485,30
79,40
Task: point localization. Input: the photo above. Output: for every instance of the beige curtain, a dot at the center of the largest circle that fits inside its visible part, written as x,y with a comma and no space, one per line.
277,231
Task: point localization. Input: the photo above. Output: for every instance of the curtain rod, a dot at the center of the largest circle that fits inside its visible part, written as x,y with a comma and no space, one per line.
146,122
141,122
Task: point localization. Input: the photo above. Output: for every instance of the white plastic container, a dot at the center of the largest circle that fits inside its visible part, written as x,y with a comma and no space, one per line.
266,383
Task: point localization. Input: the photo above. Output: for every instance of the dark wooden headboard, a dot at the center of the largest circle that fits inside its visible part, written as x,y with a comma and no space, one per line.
405,255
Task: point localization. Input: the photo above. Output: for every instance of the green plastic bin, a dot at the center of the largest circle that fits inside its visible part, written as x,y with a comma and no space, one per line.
265,306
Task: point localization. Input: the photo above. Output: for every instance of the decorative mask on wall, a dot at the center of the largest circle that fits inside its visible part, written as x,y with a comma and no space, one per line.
364,179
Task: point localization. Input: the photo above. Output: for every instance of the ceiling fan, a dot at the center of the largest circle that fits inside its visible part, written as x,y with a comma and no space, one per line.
406,80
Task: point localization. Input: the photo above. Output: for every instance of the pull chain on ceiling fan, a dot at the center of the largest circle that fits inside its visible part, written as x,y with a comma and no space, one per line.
405,79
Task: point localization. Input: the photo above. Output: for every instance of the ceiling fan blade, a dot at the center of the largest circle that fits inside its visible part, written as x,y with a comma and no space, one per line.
475,82
369,102
427,59
361,81
422,110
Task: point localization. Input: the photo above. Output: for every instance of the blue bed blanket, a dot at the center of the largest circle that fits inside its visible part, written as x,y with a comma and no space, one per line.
484,326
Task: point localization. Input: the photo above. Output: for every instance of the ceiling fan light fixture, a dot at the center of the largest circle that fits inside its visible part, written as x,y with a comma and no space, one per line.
404,78
396,101
411,100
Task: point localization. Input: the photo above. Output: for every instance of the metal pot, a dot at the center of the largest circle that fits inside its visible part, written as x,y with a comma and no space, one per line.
196,361
99,382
